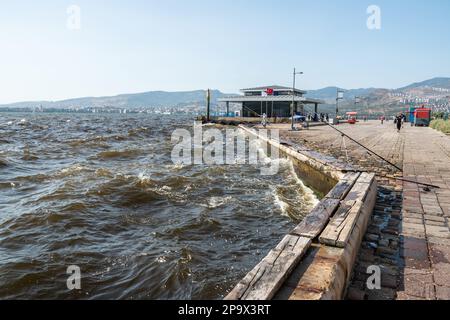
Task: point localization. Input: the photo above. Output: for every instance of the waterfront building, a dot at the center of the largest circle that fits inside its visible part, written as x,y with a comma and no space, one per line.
274,101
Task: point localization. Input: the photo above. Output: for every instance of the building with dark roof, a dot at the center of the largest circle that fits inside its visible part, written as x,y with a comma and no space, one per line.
274,101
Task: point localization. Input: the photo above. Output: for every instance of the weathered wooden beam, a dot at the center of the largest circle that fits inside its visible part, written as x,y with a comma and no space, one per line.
343,187
326,271
264,281
361,187
313,224
366,177
339,230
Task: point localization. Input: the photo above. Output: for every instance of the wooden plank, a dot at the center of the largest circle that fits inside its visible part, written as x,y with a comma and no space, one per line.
264,281
366,177
331,233
351,176
358,192
313,224
339,230
365,208
343,187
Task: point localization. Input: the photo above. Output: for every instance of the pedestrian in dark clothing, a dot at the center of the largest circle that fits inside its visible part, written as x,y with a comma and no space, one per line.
398,122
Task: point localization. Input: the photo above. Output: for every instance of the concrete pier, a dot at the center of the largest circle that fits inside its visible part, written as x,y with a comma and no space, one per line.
403,230
408,235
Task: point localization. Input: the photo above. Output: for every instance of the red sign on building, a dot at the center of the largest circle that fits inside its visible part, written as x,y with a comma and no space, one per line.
269,91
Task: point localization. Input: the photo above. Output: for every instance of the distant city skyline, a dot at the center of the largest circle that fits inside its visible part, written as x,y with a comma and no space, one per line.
52,51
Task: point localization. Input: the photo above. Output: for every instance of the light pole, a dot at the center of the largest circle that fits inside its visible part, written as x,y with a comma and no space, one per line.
293,99
357,100
339,96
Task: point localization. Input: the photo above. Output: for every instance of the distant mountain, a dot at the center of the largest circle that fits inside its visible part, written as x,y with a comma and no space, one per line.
433,91
443,83
136,100
329,93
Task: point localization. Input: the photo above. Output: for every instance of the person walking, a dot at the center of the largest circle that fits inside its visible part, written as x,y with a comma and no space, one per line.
398,122
264,120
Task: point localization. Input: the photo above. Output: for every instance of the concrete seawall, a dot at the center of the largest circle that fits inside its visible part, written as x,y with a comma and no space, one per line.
315,260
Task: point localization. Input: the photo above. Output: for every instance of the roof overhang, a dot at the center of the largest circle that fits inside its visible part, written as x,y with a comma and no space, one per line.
288,98
274,88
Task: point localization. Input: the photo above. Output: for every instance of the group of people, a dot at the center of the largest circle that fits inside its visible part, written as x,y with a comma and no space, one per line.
399,120
309,117
318,117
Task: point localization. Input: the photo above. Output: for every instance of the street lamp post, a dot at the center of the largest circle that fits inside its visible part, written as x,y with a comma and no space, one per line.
293,99
339,96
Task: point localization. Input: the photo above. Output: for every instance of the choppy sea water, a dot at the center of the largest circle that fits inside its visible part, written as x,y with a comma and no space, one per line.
101,192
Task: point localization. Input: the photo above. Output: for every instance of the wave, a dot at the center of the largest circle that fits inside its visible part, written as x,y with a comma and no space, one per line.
144,227
308,193
3,163
28,156
216,202
284,206
105,155
23,122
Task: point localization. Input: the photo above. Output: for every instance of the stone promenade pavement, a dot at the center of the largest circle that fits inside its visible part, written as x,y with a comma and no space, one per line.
409,235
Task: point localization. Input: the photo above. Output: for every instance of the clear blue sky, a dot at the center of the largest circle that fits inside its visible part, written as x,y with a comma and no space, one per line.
134,46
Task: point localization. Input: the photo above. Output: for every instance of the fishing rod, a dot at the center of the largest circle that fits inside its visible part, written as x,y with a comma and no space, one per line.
363,146
257,114
418,183
396,178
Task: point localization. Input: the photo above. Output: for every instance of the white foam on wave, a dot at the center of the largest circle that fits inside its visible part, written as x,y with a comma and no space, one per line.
177,166
301,194
280,203
215,202
72,169
143,177
23,122
309,194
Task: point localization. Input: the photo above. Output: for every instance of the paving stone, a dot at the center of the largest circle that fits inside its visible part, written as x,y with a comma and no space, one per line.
383,243
413,220
429,223
440,258
434,218
413,226
436,231
411,215
439,241
432,210
443,293
404,296
419,285
372,237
